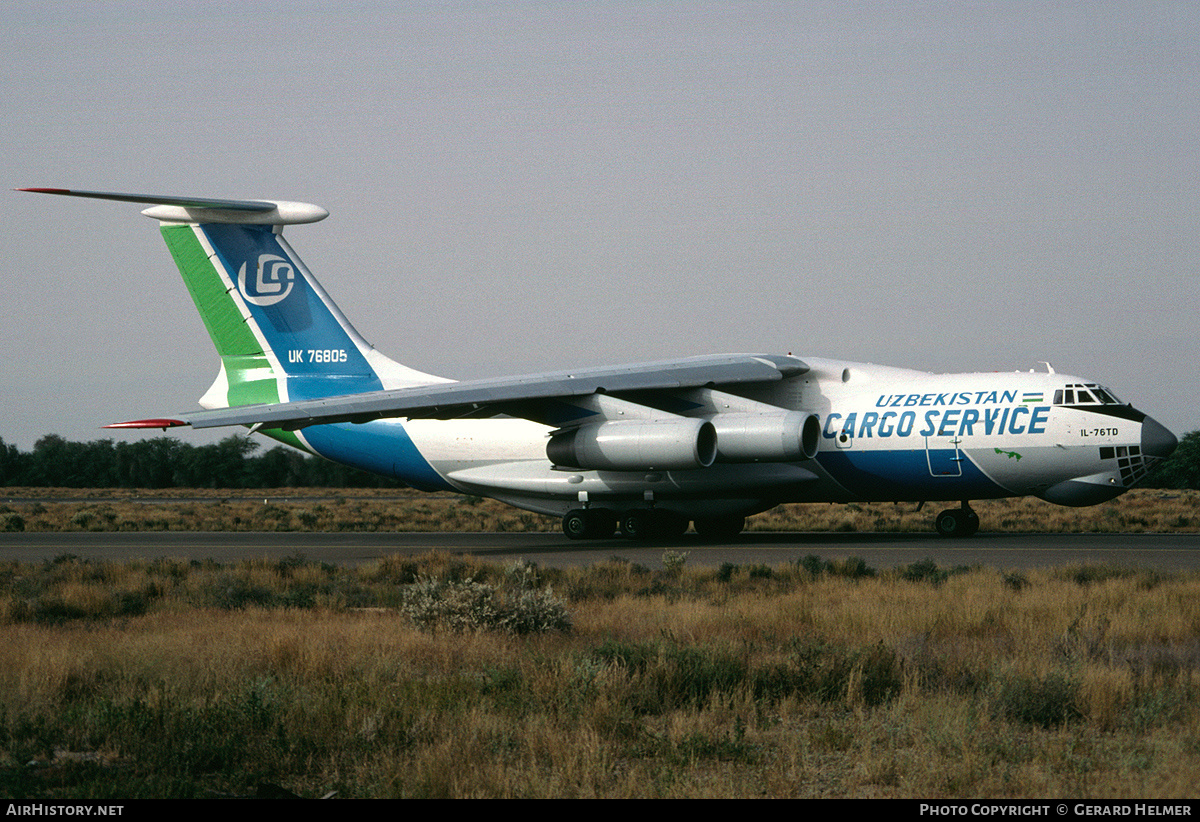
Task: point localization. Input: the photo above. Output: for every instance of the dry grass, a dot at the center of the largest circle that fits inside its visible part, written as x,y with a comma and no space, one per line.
37,509
1142,510
282,509
725,683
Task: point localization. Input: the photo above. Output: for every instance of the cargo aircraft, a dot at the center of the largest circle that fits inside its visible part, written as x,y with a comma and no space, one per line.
643,449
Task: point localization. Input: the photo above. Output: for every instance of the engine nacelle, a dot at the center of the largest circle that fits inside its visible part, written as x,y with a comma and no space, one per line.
636,445
789,436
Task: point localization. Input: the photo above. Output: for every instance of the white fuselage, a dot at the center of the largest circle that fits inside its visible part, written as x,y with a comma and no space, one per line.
886,434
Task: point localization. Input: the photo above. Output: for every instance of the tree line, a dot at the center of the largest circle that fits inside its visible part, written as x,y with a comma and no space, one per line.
1181,469
163,462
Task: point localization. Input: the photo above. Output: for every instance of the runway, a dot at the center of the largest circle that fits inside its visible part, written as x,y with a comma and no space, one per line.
1159,552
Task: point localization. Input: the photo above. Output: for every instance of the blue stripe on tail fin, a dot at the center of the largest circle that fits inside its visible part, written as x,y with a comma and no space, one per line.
313,345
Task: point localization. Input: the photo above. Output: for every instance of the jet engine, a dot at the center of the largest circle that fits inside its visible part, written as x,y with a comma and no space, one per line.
786,437
636,445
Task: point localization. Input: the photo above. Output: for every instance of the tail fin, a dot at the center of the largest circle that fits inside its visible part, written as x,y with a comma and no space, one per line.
279,335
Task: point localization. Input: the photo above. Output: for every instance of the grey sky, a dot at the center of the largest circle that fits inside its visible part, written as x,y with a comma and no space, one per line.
518,187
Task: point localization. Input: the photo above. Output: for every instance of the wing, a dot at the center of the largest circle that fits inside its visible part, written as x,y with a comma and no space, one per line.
264,310
551,398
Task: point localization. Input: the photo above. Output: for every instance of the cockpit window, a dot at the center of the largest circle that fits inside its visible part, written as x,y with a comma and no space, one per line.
1085,394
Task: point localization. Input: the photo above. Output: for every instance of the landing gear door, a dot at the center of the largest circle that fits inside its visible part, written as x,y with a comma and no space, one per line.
945,460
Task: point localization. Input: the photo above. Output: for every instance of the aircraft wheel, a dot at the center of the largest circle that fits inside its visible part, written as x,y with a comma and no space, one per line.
972,523
604,523
575,524
719,528
588,524
645,524
671,526
636,525
948,523
956,522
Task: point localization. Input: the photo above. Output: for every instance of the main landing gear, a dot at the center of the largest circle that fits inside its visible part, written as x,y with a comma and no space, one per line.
957,522
589,523
645,524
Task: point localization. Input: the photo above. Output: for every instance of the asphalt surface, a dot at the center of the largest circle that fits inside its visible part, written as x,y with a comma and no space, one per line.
1160,552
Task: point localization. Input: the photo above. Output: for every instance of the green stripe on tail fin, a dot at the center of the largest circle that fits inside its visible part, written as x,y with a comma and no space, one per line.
247,376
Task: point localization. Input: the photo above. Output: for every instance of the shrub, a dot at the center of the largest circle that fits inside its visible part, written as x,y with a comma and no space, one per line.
1047,702
691,674
467,605
667,676
1091,574
523,574
235,592
634,656
871,675
852,567
1016,581
814,565
761,572
876,676
925,570
533,611
456,606
673,561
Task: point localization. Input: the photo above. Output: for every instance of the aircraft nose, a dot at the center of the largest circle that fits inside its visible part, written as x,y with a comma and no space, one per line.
1157,441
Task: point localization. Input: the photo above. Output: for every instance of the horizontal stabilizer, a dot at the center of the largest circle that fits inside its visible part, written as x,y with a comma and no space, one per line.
205,209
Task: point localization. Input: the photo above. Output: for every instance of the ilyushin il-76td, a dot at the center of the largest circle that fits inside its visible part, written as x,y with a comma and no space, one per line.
641,449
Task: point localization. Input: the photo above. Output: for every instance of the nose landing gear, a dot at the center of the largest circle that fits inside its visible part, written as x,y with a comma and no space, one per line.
957,522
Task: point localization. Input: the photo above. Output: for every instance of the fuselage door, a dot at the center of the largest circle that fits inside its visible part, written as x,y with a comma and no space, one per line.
945,460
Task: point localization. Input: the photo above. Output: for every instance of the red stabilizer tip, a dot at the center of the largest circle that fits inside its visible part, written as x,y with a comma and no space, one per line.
164,424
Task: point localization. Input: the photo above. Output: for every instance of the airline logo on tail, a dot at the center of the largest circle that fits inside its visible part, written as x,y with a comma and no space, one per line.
272,281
